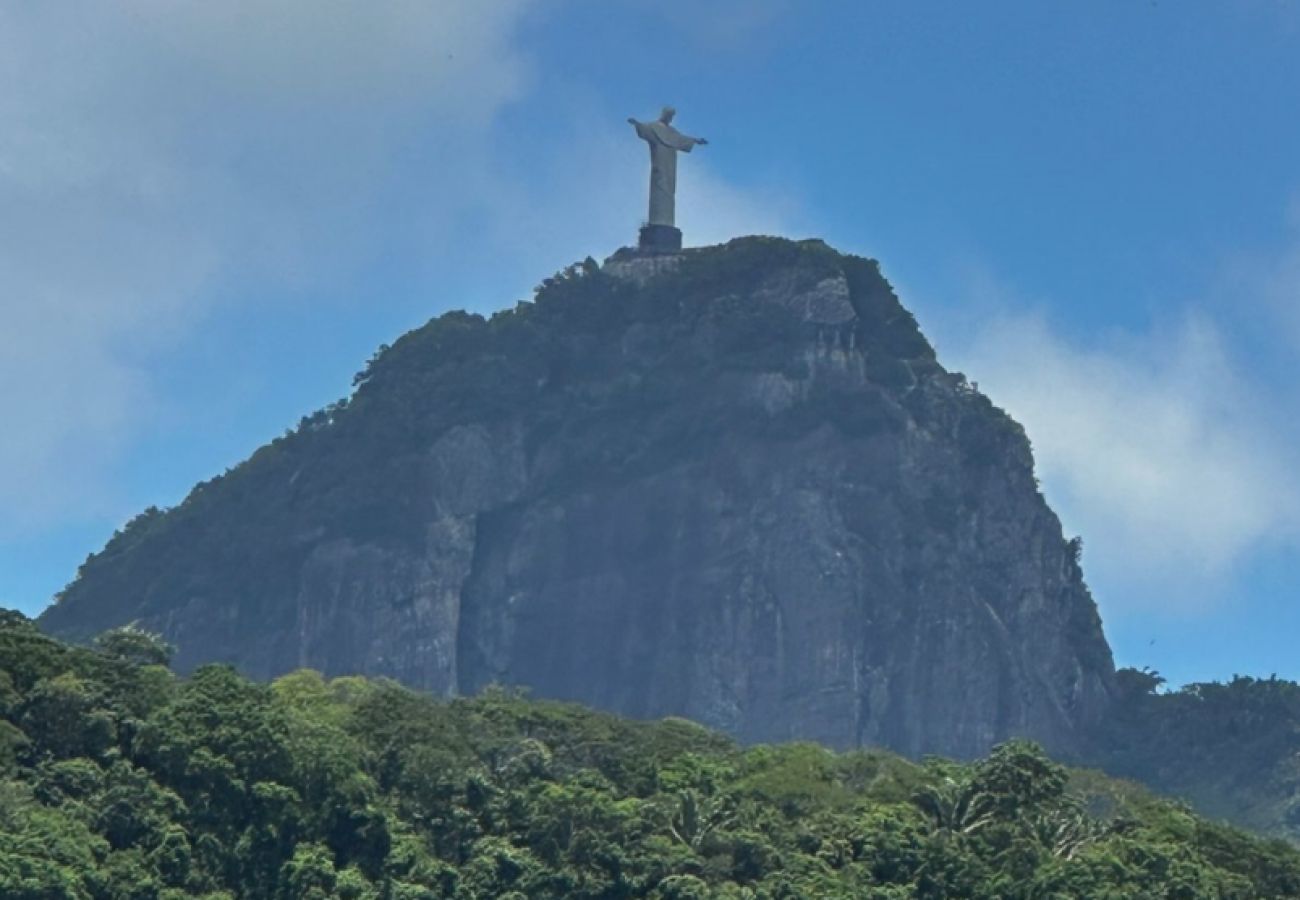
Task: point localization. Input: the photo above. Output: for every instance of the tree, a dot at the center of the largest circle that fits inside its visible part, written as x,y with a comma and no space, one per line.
367,791
63,718
955,807
1018,777
135,646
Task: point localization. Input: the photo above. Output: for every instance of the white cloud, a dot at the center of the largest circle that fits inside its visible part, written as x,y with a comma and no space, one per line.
714,210
153,152
1154,447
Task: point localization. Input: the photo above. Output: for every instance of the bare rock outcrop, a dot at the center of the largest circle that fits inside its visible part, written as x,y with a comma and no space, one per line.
734,485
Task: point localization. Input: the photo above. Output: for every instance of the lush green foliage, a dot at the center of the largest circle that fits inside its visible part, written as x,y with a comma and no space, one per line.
119,780
1231,749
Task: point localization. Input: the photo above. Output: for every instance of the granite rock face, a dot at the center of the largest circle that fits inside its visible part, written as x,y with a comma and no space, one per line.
733,485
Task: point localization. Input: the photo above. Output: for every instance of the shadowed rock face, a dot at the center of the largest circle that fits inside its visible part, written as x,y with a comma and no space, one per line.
733,485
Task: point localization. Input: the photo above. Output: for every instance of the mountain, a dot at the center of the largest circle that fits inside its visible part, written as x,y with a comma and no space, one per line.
732,484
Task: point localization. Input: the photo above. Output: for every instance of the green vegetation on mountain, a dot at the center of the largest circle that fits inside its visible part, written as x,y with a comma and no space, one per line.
118,780
1232,750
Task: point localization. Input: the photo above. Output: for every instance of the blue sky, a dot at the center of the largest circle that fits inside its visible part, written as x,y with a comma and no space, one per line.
210,216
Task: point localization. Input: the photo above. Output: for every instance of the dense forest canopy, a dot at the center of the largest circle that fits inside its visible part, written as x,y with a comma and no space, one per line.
1232,750
118,779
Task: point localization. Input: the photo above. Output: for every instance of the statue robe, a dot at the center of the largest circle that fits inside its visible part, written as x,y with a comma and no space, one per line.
665,142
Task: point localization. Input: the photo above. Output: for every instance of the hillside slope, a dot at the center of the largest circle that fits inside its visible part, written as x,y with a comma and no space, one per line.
734,486
119,780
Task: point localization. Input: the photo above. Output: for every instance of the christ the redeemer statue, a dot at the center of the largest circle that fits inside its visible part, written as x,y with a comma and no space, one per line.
660,232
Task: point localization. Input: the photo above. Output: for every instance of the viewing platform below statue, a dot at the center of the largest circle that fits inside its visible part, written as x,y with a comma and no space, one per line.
639,265
660,239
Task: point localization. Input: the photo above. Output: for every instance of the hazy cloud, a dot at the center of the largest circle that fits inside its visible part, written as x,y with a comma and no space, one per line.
152,153
1268,285
723,24
1155,447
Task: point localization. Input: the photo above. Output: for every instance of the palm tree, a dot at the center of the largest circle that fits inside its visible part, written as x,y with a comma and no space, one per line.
955,806
695,819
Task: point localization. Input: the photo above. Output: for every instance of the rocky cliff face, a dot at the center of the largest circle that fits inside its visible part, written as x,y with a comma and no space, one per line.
733,485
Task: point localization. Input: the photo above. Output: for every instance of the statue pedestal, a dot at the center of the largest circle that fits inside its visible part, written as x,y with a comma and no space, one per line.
660,239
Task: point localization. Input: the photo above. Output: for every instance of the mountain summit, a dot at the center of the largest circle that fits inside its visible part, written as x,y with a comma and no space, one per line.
732,484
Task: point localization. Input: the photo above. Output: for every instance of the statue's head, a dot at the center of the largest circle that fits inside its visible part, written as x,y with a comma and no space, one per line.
666,116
